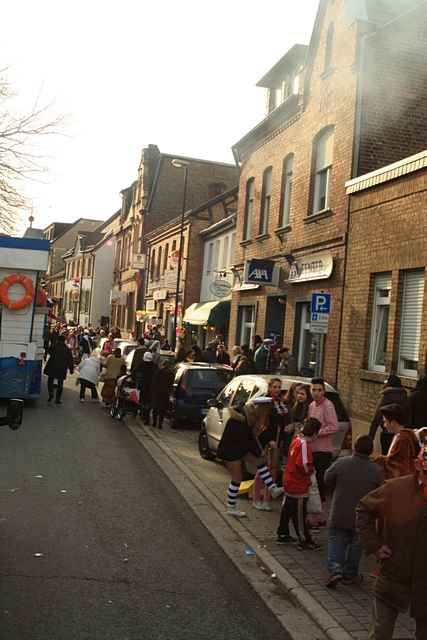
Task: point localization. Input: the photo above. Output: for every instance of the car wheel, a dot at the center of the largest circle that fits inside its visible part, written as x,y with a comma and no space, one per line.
204,450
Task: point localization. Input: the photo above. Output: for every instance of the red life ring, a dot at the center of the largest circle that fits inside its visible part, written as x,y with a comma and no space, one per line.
27,298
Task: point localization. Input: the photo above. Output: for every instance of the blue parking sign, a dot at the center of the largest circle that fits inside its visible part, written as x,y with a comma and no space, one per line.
320,303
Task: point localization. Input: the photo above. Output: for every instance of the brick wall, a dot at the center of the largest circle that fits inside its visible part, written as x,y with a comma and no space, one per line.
388,231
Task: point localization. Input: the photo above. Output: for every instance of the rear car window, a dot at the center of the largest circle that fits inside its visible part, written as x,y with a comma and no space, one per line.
209,378
339,407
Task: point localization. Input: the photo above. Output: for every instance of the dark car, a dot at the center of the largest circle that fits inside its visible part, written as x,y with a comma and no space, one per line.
194,385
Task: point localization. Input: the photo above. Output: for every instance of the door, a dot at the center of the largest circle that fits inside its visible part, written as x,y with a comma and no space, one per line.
275,318
307,345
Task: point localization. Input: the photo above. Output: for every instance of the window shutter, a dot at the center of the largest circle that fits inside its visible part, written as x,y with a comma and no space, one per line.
412,306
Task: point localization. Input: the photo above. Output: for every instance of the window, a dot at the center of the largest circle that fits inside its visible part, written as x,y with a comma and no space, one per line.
166,257
379,326
215,260
227,394
323,153
245,325
275,98
287,180
159,262
328,47
153,264
118,252
130,310
224,261
209,258
249,208
265,200
231,253
243,392
410,322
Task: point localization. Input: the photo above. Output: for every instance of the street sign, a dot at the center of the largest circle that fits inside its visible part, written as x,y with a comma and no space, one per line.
320,310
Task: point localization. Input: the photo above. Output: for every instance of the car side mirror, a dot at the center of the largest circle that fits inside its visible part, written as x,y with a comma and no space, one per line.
213,402
15,411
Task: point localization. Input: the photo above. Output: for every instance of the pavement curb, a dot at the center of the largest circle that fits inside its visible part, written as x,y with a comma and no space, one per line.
330,627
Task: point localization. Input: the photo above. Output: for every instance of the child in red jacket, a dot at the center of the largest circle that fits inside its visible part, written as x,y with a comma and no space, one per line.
296,483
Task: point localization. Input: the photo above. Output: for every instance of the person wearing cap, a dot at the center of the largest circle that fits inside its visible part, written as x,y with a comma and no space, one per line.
262,356
114,365
392,393
246,435
404,447
400,546
147,370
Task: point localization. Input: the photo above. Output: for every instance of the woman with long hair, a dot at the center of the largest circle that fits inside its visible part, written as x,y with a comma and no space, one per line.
245,437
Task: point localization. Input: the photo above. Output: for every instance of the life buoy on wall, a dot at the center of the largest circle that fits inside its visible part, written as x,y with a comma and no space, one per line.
27,298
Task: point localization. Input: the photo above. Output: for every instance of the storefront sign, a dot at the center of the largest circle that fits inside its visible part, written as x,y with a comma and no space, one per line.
220,288
160,294
138,261
264,272
150,305
318,266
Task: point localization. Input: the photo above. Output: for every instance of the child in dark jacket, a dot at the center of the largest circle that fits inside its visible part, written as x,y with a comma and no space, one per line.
296,483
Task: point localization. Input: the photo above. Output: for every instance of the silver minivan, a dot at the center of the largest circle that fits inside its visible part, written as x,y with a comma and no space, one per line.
244,388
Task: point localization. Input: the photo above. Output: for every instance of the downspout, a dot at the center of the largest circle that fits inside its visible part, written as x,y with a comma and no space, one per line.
91,288
354,172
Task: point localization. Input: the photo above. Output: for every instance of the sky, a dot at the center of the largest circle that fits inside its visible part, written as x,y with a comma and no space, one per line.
181,75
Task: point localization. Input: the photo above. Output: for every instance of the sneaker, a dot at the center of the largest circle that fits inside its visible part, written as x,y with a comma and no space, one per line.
276,492
232,511
58,402
82,399
352,580
333,580
267,506
285,540
258,504
308,546
50,398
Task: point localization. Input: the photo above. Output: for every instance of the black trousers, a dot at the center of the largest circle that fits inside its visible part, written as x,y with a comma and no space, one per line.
322,460
160,415
51,387
85,384
295,510
386,439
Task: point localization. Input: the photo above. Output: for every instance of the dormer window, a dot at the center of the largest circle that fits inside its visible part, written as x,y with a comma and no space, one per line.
275,98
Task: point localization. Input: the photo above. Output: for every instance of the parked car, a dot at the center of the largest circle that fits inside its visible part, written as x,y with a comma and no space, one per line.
194,385
165,356
243,388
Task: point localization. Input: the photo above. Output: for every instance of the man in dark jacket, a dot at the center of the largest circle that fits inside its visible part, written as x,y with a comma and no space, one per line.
56,368
418,404
146,370
351,478
400,546
160,393
392,393
209,354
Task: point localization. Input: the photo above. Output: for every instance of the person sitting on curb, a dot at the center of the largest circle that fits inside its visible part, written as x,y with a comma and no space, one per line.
404,447
350,478
245,437
296,482
400,545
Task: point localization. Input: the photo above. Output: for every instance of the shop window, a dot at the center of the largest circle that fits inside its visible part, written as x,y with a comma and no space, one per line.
287,180
323,155
249,209
380,318
265,200
245,325
410,322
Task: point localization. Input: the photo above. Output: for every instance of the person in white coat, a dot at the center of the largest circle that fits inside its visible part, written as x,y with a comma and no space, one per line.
88,372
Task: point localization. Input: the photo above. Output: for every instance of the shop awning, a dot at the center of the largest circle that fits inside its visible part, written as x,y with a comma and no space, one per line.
213,313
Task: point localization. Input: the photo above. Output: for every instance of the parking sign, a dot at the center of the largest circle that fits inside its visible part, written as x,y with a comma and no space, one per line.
320,310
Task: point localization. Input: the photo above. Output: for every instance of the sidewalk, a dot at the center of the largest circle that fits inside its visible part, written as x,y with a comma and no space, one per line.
349,606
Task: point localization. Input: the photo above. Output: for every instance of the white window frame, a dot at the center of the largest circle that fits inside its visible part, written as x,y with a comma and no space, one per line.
323,170
247,322
209,257
267,187
382,284
416,287
287,178
249,209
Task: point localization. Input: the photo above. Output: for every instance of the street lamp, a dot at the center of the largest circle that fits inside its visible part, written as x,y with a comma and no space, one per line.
180,164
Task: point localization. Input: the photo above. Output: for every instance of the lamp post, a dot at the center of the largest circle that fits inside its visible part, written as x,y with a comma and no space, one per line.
180,164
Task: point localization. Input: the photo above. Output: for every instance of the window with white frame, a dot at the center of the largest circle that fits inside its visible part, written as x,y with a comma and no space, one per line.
265,200
287,179
245,325
249,209
209,258
225,244
380,317
410,322
323,154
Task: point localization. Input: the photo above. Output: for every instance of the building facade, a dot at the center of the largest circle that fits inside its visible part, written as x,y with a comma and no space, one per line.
384,327
323,126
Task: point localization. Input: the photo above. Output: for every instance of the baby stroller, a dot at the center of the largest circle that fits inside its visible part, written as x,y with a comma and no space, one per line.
126,398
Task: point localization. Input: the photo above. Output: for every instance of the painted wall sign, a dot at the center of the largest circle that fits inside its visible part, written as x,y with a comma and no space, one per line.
220,288
318,266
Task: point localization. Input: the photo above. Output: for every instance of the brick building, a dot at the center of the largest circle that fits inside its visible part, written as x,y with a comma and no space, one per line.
155,199
162,245
328,115
384,326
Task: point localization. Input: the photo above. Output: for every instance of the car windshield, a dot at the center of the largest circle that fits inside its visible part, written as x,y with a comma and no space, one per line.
339,407
209,378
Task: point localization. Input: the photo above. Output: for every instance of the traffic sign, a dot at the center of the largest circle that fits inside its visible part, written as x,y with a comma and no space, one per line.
320,310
